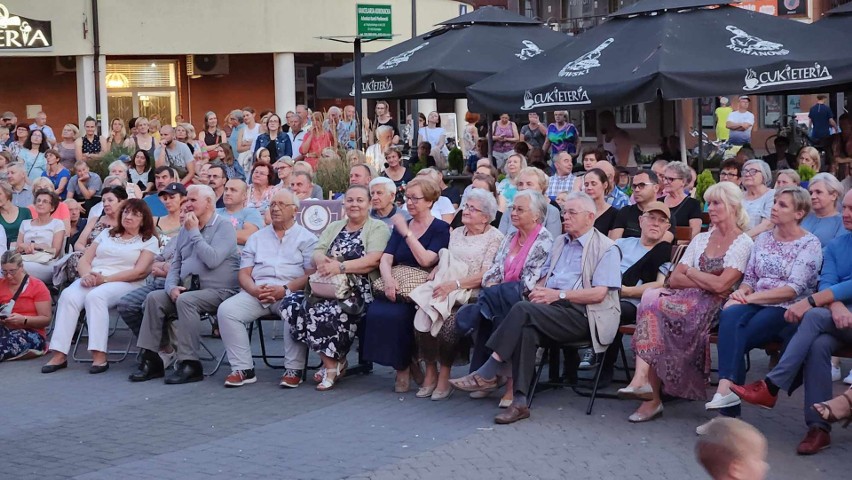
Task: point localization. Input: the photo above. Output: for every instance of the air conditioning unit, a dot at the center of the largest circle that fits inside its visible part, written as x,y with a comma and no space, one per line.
207,65
66,63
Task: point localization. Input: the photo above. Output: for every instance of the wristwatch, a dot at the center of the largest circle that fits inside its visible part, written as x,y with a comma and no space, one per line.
812,301
562,295
342,267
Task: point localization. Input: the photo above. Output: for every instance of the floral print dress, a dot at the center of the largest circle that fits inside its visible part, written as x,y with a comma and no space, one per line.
323,325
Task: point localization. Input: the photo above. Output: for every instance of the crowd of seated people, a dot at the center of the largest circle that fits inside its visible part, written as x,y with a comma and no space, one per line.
426,278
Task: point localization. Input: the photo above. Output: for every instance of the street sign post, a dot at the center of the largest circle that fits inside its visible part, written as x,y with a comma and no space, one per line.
374,21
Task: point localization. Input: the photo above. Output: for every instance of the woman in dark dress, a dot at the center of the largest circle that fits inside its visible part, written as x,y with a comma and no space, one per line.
388,325
686,211
596,185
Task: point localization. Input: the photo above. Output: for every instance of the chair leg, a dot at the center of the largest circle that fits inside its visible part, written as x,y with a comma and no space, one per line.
544,358
623,354
600,357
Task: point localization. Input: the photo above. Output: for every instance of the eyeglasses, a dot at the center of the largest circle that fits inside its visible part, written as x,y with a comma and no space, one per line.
728,175
642,185
9,273
750,172
670,179
472,209
655,219
281,205
414,199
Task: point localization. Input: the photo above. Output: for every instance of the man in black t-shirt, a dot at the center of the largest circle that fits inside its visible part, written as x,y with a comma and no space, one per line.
627,221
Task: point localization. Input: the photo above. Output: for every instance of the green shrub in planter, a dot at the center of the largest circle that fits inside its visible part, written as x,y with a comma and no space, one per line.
806,173
101,165
332,175
704,181
456,160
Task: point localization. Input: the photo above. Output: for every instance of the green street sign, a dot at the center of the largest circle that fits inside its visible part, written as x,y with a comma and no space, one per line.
374,21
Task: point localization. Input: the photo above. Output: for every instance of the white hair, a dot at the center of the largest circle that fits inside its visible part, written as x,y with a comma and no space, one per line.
831,183
204,191
292,195
538,203
585,199
486,199
383,129
385,182
118,163
763,167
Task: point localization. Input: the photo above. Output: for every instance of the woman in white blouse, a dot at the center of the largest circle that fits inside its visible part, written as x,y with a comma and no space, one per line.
114,264
42,234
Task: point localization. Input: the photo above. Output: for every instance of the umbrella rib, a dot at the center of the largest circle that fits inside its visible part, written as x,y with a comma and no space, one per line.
653,52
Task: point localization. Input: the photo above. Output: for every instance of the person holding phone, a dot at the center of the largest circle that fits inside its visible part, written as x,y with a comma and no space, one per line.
25,312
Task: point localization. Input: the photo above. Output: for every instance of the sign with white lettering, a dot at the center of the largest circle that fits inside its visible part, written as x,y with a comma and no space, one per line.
374,21
19,33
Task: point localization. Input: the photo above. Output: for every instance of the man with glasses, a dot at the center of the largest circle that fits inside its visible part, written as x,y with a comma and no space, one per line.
216,179
275,261
627,222
740,123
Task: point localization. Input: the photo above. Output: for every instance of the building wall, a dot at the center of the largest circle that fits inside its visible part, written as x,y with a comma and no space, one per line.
32,81
158,27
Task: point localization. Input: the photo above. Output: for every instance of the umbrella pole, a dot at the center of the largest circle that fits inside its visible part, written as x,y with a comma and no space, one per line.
681,130
358,107
699,164
490,136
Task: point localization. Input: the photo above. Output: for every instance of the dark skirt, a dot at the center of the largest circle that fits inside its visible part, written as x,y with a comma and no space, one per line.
389,333
449,348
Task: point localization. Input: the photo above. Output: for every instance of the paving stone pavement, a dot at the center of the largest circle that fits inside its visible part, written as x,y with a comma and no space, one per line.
74,425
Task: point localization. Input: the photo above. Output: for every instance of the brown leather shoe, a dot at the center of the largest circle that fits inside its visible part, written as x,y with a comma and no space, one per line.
817,439
512,415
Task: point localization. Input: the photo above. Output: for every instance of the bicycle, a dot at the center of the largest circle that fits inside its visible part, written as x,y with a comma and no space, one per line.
713,150
786,126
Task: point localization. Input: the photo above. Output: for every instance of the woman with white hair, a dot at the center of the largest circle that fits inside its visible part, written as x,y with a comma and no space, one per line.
472,250
759,198
383,207
824,221
686,211
376,151
672,349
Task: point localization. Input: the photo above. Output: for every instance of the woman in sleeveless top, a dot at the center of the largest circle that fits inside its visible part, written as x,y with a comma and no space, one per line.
67,146
116,137
211,136
142,139
505,135
88,147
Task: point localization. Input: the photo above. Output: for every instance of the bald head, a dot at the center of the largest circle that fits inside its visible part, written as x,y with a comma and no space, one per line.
607,168
235,194
847,211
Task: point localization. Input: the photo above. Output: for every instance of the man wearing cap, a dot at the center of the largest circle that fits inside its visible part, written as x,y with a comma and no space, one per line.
163,177
202,274
644,264
246,220
576,300
740,123
9,121
628,222
131,307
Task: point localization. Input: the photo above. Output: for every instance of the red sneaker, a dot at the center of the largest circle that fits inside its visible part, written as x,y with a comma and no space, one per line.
240,378
756,393
816,439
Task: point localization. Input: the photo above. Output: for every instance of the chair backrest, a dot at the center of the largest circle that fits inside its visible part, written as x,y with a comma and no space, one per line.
683,234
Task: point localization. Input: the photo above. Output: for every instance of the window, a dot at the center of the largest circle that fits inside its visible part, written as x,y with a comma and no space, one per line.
142,88
771,110
630,116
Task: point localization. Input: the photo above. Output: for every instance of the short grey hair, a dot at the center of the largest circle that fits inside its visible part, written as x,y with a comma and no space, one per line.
13,257
763,167
538,174
333,109
383,129
385,182
585,199
538,203
682,170
112,178
832,184
801,199
205,191
292,195
486,199
303,174
794,175
118,163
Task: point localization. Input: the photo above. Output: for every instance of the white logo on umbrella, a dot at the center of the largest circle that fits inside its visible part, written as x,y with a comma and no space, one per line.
586,62
578,96
747,44
529,51
373,86
400,58
785,76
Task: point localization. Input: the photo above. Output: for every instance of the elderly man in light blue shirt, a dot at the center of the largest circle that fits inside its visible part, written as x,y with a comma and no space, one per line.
275,261
576,300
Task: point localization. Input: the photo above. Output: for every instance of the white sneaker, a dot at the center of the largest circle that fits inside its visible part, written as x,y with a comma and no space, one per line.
848,379
722,401
836,373
702,429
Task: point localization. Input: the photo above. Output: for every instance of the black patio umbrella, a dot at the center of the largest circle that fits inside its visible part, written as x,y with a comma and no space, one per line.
443,62
676,49
839,19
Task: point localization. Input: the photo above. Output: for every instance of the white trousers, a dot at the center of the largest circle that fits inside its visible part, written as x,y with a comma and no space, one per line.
43,272
97,301
239,311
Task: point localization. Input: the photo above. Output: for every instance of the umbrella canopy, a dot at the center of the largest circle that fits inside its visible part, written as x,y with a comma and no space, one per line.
839,19
443,62
671,49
